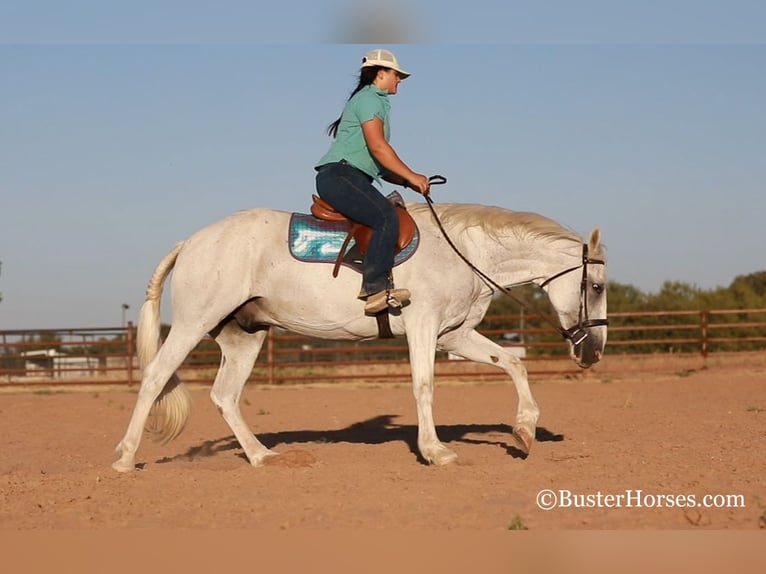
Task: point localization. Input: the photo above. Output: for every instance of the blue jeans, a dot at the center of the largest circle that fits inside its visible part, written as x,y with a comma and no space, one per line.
350,192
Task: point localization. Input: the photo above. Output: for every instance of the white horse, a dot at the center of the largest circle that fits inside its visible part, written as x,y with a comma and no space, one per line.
235,278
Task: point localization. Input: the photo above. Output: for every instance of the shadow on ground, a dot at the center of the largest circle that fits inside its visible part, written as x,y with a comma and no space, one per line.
377,430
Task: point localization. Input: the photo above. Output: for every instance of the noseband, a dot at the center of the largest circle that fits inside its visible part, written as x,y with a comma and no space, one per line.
577,334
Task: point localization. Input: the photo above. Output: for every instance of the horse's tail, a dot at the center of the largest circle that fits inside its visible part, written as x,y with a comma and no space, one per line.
171,409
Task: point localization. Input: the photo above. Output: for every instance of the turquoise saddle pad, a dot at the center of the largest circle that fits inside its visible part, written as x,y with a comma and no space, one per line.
315,240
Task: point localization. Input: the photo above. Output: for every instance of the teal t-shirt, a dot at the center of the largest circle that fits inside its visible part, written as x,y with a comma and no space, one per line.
350,144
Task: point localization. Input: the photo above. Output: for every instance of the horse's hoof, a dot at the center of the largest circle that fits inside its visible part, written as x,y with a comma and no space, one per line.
523,439
441,456
263,458
120,466
445,458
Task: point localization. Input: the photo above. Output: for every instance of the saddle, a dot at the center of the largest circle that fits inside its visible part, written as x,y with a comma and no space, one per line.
360,233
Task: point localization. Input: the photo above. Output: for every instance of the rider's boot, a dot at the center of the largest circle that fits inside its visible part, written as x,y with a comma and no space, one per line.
391,298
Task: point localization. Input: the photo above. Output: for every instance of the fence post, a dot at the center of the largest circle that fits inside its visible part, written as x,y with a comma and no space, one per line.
270,357
704,318
129,339
6,362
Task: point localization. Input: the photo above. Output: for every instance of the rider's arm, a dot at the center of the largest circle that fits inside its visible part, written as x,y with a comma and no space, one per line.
385,155
394,179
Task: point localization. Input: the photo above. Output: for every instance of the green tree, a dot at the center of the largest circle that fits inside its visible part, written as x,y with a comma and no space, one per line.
745,292
755,282
675,296
623,297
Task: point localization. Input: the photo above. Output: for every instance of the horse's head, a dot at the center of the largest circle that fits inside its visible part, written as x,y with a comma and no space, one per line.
579,296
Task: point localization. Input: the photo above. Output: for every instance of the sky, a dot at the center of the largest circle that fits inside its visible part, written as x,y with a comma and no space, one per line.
127,126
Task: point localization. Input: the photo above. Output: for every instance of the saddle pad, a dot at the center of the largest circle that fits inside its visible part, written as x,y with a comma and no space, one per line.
315,240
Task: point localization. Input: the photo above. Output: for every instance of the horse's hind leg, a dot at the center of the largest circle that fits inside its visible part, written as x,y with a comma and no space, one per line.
156,375
239,351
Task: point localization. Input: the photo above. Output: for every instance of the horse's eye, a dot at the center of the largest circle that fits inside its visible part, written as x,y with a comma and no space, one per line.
598,288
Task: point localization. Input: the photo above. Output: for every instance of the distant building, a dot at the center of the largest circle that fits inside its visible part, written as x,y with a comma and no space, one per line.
53,363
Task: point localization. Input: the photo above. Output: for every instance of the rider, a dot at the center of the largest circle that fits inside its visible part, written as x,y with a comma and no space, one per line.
360,154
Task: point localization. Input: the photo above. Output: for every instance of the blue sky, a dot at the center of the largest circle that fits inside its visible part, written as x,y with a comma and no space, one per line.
124,129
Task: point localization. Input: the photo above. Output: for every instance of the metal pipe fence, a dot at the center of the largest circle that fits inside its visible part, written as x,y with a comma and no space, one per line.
107,355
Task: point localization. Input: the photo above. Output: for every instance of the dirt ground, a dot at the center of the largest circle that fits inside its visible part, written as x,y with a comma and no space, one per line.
348,458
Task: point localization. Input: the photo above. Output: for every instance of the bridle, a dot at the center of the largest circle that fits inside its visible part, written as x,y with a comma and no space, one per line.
575,334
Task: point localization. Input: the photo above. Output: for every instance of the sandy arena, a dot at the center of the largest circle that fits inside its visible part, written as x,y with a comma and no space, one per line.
348,458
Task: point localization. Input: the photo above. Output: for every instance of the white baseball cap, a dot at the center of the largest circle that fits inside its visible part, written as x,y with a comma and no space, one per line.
381,57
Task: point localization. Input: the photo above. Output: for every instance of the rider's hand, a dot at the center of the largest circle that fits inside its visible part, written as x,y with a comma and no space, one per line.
419,183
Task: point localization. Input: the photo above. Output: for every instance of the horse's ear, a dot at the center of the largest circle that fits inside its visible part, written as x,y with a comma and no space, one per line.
594,242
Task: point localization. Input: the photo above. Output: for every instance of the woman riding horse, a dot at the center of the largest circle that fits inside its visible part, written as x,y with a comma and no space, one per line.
360,154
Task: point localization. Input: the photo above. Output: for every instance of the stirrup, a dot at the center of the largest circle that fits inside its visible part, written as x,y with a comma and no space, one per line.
390,298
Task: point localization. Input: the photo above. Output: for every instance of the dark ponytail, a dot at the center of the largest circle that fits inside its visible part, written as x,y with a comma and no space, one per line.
366,77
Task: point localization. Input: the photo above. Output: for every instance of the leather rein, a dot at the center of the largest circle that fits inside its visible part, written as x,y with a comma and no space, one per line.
575,334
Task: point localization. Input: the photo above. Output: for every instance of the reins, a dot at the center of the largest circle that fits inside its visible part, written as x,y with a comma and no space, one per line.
575,334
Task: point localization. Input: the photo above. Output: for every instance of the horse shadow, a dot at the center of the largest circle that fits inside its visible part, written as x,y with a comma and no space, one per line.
377,430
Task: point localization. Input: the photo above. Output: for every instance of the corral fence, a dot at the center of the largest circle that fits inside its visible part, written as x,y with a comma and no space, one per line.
107,355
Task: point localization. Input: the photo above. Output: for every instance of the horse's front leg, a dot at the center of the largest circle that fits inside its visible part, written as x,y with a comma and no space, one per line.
475,347
422,347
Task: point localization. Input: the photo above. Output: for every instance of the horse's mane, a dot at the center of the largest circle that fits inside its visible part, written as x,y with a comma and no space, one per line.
459,217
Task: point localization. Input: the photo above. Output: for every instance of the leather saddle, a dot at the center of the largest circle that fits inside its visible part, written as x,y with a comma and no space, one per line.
361,233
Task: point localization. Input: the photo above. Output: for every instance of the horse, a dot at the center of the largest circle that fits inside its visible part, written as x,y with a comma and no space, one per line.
236,278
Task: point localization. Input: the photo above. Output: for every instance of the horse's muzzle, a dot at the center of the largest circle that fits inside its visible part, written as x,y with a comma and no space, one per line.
590,349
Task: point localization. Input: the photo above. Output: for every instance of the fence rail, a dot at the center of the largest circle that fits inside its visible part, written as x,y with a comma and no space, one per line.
100,355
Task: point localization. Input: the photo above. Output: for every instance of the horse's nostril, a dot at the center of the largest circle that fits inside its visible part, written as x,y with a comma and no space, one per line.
598,355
